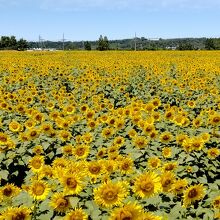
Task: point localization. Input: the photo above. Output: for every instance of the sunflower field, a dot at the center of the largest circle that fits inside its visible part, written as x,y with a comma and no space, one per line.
110,135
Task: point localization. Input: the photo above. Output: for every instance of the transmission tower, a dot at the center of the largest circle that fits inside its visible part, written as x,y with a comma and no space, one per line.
41,43
63,40
135,42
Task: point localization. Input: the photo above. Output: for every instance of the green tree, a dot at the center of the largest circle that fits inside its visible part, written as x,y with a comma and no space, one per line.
103,43
87,45
22,44
209,44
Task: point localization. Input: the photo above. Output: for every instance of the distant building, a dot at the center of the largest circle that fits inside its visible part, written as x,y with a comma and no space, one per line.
171,48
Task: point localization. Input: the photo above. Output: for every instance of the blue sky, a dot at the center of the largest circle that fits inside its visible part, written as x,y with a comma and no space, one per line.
117,19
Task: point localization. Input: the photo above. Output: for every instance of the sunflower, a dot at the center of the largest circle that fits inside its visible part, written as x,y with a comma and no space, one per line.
180,138
3,138
9,191
81,151
179,186
12,213
46,128
101,152
153,162
110,194
197,143
60,203
69,109
167,180
132,133
213,152
166,137
170,166
148,128
216,202
214,120
76,214
67,150
150,216
197,122
147,184
33,133
39,189
140,142
65,135
119,141
169,115
192,194
72,183
107,132
14,126
36,163
38,149
130,211
95,168
126,165
87,137
167,152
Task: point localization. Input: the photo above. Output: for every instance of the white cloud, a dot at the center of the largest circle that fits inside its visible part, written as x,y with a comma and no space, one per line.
114,4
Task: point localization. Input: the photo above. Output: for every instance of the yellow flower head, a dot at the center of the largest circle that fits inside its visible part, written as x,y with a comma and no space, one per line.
39,189
131,211
59,202
147,185
77,214
110,194
192,194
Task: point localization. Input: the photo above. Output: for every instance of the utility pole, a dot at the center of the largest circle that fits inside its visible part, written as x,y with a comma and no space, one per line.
135,43
63,39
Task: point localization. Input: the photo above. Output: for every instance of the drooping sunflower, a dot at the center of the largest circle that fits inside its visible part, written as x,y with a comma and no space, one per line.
39,189
130,211
147,185
179,186
76,214
192,194
60,203
110,194
170,166
167,180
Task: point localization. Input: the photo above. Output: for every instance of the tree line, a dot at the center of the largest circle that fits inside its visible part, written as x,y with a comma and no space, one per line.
102,44
11,43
